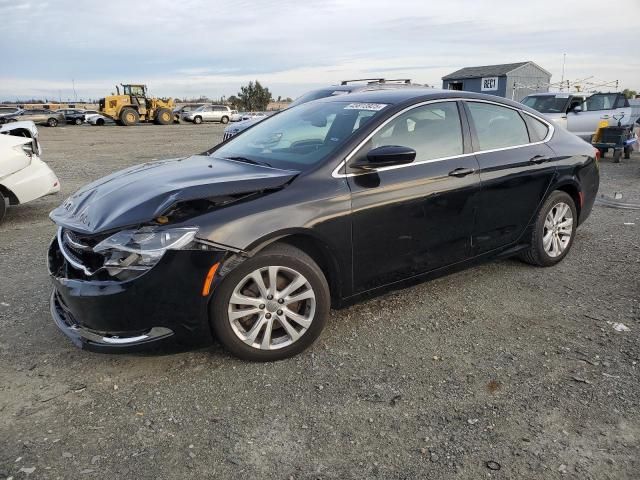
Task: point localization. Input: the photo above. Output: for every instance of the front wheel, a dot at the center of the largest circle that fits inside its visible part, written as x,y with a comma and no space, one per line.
553,231
272,306
78,121
197,120
163,117
3,206
224,120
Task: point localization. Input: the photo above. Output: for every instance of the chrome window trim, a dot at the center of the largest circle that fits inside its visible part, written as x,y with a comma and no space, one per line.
336,171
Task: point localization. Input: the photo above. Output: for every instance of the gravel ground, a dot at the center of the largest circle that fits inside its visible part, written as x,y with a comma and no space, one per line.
503,363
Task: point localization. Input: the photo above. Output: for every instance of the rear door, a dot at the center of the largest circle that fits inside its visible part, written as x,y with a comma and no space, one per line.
516,169
418,217
598,107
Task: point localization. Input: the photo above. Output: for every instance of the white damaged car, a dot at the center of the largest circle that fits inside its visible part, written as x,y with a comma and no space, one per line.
23,176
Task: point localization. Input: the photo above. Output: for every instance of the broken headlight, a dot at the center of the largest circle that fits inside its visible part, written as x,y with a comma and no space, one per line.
142,249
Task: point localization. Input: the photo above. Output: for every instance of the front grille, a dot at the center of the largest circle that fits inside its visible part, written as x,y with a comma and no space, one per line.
78,250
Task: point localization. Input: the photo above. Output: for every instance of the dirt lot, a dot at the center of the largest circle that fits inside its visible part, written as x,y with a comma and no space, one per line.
503,363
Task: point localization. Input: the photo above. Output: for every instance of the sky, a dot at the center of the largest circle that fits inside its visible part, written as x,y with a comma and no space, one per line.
196,47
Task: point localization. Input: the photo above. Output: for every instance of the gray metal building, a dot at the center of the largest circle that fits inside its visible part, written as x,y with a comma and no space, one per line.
509,80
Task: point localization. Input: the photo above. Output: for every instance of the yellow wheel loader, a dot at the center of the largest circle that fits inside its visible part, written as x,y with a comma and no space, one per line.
133,106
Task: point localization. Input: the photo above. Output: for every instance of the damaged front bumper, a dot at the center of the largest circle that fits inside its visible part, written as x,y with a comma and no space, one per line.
162,305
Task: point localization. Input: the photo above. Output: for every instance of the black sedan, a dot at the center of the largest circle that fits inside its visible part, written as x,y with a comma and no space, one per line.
320,205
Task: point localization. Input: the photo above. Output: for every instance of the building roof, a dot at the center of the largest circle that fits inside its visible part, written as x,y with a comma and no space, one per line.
489,71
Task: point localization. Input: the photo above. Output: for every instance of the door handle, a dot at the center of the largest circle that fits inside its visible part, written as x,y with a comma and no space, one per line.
539,159
461,172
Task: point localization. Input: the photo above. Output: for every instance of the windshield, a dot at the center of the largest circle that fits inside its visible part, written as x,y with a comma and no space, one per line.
317,94
547,103
300,137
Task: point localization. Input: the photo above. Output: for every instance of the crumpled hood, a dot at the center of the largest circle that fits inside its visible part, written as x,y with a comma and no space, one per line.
141,193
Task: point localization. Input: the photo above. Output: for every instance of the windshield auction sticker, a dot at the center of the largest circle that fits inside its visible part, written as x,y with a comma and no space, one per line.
375,107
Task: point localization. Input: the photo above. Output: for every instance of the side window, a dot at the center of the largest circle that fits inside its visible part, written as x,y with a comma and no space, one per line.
433,131
537,130
497,127
621,102
601,101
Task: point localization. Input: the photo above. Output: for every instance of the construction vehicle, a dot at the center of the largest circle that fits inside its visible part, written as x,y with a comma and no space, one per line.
133,106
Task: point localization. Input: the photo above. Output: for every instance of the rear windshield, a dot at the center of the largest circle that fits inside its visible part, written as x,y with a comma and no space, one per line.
547,103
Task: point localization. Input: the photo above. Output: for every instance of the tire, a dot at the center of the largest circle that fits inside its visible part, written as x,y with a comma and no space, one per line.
224,120
52,122
163,117
128,117
197,120
78,121
603,152
292,265
537,254
3,207
627,153
100,122
617,155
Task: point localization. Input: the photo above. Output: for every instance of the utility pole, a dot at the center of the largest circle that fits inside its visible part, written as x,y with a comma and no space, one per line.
75,95
564,60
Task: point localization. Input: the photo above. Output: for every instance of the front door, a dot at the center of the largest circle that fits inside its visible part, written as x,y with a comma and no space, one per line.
418,217
516,169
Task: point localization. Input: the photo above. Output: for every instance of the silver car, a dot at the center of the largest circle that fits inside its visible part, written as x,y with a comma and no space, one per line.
209,113
50,118
581,113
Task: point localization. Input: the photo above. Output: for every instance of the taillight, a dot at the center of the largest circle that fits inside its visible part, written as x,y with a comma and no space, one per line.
597,154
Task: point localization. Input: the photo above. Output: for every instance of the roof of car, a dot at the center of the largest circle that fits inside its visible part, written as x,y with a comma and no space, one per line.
401,95
543,94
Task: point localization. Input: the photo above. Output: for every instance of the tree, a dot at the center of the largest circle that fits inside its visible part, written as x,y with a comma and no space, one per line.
233,101
629,93
254,97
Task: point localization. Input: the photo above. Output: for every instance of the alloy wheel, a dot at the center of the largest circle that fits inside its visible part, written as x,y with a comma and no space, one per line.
271,307
558,228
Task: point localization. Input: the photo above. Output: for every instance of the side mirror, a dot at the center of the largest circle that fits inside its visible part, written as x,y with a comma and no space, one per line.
576,109
386,156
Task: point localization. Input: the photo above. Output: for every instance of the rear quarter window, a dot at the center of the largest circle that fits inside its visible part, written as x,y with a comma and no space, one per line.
537,130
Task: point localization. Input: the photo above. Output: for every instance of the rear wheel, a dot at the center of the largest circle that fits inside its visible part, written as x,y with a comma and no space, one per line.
163,117
100,122
129,117
553,231
617,155
197,120
272,306
52,122
3,206
224,120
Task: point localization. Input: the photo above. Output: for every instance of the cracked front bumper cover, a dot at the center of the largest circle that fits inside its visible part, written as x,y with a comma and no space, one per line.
87,339
161,306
